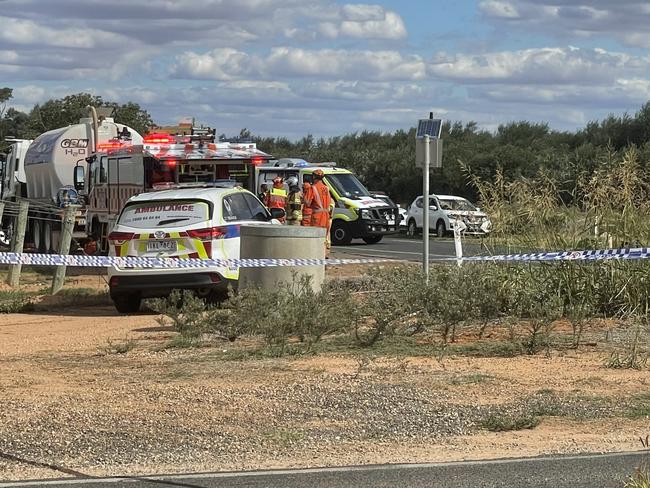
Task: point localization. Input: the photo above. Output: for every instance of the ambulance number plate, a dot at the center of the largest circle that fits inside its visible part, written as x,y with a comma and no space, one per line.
157,246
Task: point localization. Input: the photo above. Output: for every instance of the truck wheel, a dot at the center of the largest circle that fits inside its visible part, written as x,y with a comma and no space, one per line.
372,239
440,229
47,237
37,235
127,303
340,233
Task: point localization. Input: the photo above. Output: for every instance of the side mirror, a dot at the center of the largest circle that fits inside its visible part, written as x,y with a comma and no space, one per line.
277,213
79,178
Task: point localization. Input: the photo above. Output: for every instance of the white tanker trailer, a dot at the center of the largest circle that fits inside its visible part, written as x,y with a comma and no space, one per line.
49,166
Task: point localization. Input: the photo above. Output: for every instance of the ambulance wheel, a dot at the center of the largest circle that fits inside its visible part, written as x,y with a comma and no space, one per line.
372,239
340,233
127,303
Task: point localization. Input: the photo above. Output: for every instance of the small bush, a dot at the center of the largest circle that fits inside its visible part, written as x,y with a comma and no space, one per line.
640,479
15,301
505,422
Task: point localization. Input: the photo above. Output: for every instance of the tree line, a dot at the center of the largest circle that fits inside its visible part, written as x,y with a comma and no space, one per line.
385,160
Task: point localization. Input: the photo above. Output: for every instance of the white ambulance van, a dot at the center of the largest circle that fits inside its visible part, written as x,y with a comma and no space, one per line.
200,223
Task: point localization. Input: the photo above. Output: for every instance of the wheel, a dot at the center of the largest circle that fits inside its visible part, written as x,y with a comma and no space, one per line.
440,229
372,239
47,237
340,233
37,235
127,303
412,229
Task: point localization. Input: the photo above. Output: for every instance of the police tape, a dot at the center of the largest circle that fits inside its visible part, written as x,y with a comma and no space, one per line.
167,263
175,263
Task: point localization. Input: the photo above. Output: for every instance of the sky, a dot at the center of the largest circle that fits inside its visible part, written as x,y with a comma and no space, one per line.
328,67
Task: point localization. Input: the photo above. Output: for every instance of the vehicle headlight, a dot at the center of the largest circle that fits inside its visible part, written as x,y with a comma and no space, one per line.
365,214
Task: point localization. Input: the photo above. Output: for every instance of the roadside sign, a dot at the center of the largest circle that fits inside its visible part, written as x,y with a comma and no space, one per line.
432,128
435,153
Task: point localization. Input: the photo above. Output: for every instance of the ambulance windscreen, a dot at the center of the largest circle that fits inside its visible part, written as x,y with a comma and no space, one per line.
157,214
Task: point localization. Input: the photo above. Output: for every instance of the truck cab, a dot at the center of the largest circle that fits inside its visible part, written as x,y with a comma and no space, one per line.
357,213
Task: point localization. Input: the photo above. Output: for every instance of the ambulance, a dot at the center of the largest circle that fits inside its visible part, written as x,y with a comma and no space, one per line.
182,223
357,213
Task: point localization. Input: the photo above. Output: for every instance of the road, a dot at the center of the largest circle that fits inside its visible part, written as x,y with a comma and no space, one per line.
589,471
401,247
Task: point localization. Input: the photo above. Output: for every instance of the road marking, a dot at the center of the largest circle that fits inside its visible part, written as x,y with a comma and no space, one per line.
340,469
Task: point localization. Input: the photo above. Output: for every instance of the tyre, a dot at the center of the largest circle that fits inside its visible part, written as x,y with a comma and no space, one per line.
372,239
37,235
340,233
441,229
127,303
411,229
47,237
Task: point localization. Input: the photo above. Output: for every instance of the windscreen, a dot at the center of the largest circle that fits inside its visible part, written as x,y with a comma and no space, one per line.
347,185
459,205
156,214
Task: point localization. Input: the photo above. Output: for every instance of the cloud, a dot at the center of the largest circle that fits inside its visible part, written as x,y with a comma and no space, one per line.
627,21
538,66
290,62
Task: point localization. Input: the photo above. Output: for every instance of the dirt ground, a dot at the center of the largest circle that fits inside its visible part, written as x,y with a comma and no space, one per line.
72,404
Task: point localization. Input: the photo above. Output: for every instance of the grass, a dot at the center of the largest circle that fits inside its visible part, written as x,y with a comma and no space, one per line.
469,379
119,347
16,301
640,479
639,407
284,437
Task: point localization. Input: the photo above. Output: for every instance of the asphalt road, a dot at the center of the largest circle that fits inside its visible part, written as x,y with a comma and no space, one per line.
591,471
401,247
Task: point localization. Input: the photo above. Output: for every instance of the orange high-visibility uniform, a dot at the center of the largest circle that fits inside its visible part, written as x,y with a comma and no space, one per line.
277,198
307,198
321,208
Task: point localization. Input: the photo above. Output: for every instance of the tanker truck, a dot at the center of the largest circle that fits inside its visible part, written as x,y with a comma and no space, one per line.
50,163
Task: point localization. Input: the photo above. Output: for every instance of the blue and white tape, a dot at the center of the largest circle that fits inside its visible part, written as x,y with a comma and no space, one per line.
168,263
171,263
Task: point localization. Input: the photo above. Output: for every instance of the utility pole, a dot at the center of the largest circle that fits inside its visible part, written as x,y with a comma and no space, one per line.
67,227
425,206
427,138
18,242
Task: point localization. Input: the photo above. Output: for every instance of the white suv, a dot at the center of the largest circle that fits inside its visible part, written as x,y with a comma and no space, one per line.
445,211
198,223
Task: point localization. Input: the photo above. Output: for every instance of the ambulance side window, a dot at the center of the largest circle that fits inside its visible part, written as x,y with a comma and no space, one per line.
235,208
257,209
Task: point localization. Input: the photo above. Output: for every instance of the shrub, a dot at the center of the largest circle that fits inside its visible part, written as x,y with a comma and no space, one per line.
501,422
15,301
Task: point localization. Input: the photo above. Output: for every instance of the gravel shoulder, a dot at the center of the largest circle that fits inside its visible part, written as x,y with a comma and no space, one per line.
68,400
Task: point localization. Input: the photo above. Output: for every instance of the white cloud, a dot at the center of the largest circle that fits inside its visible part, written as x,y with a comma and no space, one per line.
538,66
499,9
627,21
26,32
288,62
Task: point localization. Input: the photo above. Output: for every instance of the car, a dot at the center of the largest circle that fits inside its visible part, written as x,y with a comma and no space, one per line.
446,211
181,223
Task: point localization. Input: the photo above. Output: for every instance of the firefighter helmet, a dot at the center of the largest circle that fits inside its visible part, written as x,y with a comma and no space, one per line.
292,181
278,180
319,174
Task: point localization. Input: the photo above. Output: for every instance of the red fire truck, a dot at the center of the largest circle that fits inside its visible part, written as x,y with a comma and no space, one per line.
119,170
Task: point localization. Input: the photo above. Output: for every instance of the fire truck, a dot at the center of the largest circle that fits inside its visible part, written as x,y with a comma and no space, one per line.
120,170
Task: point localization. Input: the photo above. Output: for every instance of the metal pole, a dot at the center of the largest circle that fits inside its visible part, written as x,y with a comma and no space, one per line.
425,204
18,241
67,227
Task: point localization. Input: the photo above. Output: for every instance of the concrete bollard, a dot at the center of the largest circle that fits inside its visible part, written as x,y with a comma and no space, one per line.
281,242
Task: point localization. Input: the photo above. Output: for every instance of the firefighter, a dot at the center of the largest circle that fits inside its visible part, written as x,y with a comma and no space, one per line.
277,197
264,192
294,202
307,197
322,206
